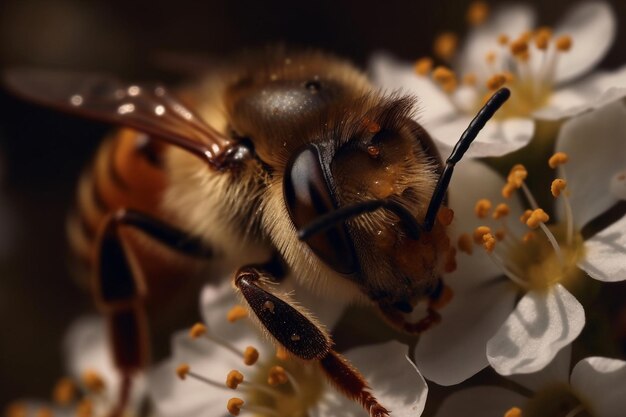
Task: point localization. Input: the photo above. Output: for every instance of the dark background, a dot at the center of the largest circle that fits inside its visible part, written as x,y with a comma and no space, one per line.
43,152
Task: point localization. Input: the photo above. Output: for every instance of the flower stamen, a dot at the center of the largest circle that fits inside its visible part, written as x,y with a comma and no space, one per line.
513,412
64,391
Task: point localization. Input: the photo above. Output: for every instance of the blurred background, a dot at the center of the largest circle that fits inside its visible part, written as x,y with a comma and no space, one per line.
42,152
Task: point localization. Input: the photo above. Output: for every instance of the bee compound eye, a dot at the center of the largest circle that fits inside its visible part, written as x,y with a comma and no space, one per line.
307,196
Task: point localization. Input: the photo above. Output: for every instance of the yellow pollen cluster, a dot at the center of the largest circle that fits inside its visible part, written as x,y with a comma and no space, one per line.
64,391
277,376
503,39
482,208
501,211
233,379
234,406
477,13
93,381
445,45
513,412
557,187
197,330
423,66
517,175
479,232
496,81
536,218
236,313
519,47
182,370
445,77
563,43
250,356
558,159
542,38
489,242
524,217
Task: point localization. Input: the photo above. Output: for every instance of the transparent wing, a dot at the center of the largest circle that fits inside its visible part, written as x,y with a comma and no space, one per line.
150,109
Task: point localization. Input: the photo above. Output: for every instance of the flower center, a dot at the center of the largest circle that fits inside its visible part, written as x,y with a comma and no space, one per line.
555,400
277,386
543,256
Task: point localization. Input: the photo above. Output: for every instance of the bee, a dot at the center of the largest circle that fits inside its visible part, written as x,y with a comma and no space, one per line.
289,162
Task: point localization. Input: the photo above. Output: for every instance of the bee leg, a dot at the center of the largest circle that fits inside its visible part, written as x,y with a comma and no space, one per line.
119,291
298,333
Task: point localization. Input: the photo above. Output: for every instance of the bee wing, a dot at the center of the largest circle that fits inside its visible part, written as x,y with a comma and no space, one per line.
150,109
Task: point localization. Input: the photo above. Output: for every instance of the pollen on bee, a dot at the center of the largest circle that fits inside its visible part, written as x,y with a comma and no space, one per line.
564,43
479,232
482,208
233,379
64,391
423,66
537,217
465,244
445,45
93,381
44,412
445,215
501,211
84,408
182,370
558,159
557,187
250,356
277,376
197,330
513,412
16,409
477,13
234,406
236,313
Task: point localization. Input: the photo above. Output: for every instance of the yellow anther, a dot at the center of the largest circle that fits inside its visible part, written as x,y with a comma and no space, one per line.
541,41
501,211
513,412
500,235
529,236
234,406
508,190
182,370
508,76
282,353
250,356
236,313
84,408
479,232
489,242
44,412
482,207
449,86
423,66
465,243
64,391
277,376
503,39
233,379
477,13
526,36
524,217
519,47
490,57
93,381
16,409
443,74
563,43
469,79
445,215
558,185
445,45
517,175
557,159
537,217
495,81
197,330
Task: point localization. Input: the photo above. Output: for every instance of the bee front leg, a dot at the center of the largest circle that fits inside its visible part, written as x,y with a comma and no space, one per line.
298,332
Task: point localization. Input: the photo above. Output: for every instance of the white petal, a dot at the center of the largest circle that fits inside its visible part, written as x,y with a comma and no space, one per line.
595,144
592,27
571,102
392,75
618,185
511,20
215,303
480,402
497,138
605,253
556,372
395,381
601,381
542,324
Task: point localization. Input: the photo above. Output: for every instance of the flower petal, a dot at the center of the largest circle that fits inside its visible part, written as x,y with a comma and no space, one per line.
618,185
497,138
605,253
592,26
601,382
582,138
511,20
570,102
397,384
480,402
392,75
557,371
542,324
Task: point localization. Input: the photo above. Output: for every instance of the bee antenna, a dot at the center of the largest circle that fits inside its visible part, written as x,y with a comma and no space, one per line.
327,220
483,116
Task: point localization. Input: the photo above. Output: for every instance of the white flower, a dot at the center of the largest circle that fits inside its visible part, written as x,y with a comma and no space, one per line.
538,67
395,382
524,337
595,388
